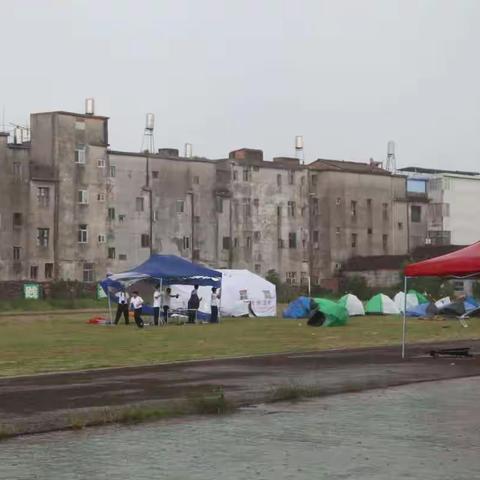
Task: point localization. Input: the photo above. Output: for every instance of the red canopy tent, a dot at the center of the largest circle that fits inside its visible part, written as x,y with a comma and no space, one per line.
463,263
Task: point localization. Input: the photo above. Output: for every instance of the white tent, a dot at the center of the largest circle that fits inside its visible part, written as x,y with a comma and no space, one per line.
353,304
399,300
242,293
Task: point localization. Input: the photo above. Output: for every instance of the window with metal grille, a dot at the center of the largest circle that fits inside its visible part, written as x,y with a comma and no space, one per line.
102,238
180,206
354,240
291,209
16,253
17,219
186,243
43,235
111,253
111,213
226,243
34,272
219,204
82,197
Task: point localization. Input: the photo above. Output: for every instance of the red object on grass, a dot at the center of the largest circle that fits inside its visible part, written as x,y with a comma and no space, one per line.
97,320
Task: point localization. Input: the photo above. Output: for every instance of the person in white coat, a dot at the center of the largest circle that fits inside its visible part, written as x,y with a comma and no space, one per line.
214,303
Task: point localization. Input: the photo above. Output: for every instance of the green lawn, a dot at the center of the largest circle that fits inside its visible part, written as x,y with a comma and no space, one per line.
31,344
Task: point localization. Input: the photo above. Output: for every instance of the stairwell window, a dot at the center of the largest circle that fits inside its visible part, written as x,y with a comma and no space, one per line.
354,240
80,154
88,272
292,240
43,235
291,209
353,208
43,196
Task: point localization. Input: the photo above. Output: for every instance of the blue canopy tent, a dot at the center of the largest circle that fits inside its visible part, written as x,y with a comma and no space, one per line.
164,269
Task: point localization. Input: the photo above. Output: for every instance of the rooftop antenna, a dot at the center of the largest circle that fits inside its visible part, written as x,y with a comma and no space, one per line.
188,150
299,153
391,161
148,141
90,106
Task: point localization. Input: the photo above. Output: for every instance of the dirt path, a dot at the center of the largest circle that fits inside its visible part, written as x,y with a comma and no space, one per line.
48,402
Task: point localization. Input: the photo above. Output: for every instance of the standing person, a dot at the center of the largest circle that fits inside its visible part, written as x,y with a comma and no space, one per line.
157,300
137,305
214,306
166,303
193,304
122,307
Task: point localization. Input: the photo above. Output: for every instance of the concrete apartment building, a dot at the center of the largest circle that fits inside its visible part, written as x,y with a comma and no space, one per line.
446,216
72,208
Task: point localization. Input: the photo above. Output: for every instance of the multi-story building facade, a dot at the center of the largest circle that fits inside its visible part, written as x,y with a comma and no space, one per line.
446,217
72,208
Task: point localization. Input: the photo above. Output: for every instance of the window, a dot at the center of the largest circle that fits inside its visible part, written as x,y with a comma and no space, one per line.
246,175
302,180
247,210
111,213
100,162
369,203
385,241
226,243
236,242
292,240
34,272
280,243
291,177
315,236
145,240
43,195
279,179
196,254
315,209
16,253
416,213
82,233
111,253
303,210
235,175
79,125
196,180
400,225
112,172
43,237
337,231
354,240
291,209
139,204
80,154
256,202
122,256
186,243
291,278
258,268
338,201
121,218
17,219
88,272
369,231
279,211
219,204
82,197
17,169
101,238
385,211
154,173
155,216
353,208
314,180
101,197
180,206
256,236
249,242
49,270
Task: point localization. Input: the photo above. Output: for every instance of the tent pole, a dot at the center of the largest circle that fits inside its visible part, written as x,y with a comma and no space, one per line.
404,332
109,305
160,313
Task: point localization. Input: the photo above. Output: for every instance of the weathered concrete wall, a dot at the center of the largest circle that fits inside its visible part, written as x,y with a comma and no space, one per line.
378,278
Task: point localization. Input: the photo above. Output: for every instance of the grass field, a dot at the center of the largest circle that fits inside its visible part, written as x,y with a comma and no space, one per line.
32,344
24,305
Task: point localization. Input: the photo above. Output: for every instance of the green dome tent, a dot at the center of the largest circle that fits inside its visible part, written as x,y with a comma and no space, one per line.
334,314
420,296
380,304
353,305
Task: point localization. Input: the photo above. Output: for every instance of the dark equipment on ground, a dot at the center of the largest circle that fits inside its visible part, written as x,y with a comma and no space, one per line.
451,352
316,319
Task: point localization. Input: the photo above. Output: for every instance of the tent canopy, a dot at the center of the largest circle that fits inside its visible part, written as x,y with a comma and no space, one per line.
353,304
462,263
168,269
334,315
298,308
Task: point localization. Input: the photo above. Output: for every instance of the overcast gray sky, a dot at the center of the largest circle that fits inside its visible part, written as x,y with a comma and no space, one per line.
349,75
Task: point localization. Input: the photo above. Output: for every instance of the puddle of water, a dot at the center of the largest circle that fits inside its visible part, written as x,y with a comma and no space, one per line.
423,431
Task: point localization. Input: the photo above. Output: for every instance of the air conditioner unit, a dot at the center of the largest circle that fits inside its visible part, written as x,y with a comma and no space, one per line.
428,241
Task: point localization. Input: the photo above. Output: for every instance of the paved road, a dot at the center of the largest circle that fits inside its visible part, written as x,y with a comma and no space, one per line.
45,402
